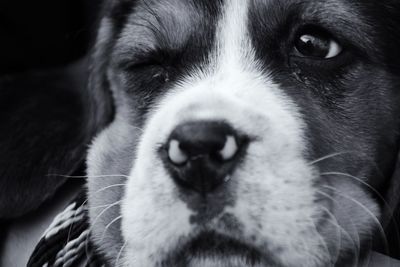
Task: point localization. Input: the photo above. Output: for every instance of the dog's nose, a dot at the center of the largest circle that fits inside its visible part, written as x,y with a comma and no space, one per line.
202,155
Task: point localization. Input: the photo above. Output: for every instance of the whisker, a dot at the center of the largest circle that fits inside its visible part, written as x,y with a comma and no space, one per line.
73,218
99,191
95,220
334,217
83,204
330,156
120,253
87,176
108,187
105,206
109,225
307,250
101,206
373,216
321,239
355,243
339,228
364,183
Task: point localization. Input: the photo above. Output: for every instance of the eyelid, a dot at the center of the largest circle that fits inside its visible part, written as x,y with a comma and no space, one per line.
138,59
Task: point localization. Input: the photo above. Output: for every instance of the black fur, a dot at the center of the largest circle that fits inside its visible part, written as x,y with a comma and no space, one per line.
357,94
351,103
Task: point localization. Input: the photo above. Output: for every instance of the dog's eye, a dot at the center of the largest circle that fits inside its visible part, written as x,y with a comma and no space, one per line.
317,44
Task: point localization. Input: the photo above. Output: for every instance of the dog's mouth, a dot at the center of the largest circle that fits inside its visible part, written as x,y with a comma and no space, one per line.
214,249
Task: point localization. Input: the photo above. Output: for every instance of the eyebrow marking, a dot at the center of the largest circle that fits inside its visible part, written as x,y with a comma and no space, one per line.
166,24
340,17
339,14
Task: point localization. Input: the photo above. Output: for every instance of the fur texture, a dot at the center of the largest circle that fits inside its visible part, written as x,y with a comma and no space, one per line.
319,180
326,132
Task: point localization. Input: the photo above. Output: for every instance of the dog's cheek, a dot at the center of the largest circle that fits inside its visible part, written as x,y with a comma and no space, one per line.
277,205
110,160
357,199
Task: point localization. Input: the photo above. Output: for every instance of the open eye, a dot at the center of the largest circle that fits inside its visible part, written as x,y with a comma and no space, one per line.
317,44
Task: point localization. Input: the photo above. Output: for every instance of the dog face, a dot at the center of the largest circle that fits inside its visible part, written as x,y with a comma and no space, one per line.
246,133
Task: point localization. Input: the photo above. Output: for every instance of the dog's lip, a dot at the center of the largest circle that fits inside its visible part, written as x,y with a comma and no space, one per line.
214,245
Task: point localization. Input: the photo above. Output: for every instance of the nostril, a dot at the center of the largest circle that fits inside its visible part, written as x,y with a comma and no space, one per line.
176,155
216,140
202,155
180,154
230,148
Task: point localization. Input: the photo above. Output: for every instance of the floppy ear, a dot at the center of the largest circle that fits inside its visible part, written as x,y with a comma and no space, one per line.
45,127
112,18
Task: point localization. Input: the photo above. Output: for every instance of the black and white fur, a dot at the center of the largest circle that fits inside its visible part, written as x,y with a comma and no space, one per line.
317,184
309,190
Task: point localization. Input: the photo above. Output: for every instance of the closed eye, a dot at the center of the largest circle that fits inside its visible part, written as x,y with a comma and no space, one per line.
140,60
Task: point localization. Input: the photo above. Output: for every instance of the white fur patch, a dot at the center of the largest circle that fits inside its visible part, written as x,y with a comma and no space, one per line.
273,187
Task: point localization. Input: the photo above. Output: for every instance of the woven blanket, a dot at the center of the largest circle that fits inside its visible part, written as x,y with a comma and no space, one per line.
66,242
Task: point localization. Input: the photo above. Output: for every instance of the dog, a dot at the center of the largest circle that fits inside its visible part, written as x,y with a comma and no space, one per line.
244,132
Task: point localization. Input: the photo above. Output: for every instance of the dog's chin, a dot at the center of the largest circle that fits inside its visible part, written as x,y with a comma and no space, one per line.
220,261
215,250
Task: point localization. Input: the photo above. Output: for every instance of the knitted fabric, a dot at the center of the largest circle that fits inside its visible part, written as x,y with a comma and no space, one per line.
66,242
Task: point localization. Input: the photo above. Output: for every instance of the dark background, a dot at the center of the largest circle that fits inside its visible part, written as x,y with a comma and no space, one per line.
44,34
42,99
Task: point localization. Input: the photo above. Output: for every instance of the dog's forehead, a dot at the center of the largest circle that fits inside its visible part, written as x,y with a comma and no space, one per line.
171,23
322,11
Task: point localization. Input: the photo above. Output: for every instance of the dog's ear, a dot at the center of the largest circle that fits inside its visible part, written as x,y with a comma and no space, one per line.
45,127
48,118
112,19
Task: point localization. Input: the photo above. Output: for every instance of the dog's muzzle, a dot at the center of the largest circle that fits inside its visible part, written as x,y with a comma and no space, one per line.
200,156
